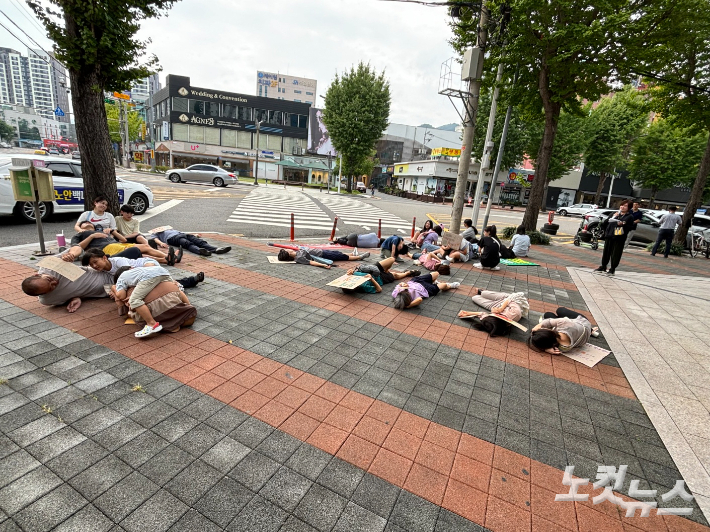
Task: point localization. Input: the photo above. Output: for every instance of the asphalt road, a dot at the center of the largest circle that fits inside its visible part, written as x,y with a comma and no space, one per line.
264,212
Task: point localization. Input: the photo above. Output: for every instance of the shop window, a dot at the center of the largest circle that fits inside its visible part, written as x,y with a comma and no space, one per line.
197,134
244,113
274,143
212,136
229,137
229,110
302,121
180,132
212,109
276,117
244,139
293,120
261,115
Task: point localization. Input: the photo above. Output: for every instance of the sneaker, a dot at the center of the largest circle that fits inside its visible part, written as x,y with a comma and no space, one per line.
148,330
364,255
595,332
355,253
220,251
478,265
495,269
171,256
479,292
448,257
398,259
611,272
200,277
414,273
178,257
600,269
454,285
205,253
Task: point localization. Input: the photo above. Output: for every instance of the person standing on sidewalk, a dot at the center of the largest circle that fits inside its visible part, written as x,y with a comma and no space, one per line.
669,221
617,228
637,214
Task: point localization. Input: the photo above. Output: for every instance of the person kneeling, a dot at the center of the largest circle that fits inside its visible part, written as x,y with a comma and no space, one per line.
411,293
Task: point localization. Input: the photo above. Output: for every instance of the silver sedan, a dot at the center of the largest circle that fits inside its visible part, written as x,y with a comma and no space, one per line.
202,173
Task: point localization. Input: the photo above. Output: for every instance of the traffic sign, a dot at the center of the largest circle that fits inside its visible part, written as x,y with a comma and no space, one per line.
121,96
58,111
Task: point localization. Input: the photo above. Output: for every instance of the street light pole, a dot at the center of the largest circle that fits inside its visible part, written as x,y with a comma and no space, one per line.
256,168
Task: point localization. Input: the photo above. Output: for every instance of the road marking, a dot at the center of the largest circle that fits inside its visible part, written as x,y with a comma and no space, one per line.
159,209
365,227
401,231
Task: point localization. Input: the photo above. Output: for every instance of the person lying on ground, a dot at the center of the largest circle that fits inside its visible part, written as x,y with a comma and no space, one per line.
393,246
99,261
323,258
489,249
520,243
411,293
432,262
561,331
380,274
428,226
465,252
142,280
114,243
129,227
98,217
192,243
512,306
354,240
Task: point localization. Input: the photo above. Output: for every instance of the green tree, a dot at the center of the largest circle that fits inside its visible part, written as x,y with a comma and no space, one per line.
27,131
681,77
357,108
613,125
7,132
517,139
363,168
135,121
96,41
565,52
665,156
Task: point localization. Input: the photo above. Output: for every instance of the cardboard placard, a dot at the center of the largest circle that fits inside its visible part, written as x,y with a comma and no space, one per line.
348,281
63,268
160,229
275,260
465,314
451,240
588,354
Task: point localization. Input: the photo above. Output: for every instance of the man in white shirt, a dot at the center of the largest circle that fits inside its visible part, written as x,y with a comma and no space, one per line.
669,221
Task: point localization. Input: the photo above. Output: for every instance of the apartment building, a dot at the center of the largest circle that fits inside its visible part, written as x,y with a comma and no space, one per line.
284,87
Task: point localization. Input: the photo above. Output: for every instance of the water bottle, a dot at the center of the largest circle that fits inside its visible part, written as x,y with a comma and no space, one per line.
61,241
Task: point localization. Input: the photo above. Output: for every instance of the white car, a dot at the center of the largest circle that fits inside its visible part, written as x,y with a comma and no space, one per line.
577,208
204,173
68,189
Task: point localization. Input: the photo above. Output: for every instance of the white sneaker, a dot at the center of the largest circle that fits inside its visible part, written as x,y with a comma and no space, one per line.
448,257
148,330
496,268
454,285
355,253
478,265
595,332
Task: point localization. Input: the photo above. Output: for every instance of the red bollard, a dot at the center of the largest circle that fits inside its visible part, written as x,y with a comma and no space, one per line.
293,235
414,226
550,216
332,233
379,229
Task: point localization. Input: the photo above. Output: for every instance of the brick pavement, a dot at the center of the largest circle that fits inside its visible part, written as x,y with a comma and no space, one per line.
333,419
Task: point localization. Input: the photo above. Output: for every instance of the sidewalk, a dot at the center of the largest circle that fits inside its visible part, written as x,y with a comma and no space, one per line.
291,406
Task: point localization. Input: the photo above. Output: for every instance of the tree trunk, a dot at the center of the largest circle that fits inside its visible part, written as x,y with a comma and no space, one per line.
696,196
600,187
97,166
652,199
350,184
552,116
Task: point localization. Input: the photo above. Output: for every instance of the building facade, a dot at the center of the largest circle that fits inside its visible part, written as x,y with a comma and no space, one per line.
33,129
143,88
289,88
36,80
196,125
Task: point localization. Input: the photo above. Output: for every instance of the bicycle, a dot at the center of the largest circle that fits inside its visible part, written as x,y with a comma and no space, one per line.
700,243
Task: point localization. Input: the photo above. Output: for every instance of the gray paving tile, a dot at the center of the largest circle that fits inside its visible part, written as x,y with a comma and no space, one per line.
50,510
285,488
86,519
341,477
357,519
251,432
193,521
77,459
259,515
166,464
279,446
320,507
414,513
97,479
193,481
125,496
118,434
254,470
199,439
226,454
16,465
450,522
27,489
309,461
224,501
152,414
294,524
36,430
158,513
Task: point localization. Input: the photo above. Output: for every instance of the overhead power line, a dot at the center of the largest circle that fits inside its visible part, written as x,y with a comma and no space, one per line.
31,39
24,13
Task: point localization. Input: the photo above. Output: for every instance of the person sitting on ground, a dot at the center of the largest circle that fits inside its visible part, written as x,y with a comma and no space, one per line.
465,252
115,242
101,262
393,246
561,331
428,226
411,293
430,239
512,306
142,280
470,233
323,258
129,227
520,243
354,240
489,249
97,217
432,262
192,243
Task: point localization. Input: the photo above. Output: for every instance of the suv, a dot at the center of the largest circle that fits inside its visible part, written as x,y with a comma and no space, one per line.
360,187
577,208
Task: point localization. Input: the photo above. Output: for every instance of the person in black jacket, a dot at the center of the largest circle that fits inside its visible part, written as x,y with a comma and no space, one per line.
619,225
489,249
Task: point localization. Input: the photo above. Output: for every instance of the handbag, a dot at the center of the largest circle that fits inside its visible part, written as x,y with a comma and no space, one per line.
618,231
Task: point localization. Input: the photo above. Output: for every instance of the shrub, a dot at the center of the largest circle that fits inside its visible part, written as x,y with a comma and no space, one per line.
536,237
162,168
676,249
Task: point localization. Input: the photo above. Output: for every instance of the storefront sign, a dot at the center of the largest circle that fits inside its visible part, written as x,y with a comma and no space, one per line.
197,148
243,153
166,131
446,152
267,75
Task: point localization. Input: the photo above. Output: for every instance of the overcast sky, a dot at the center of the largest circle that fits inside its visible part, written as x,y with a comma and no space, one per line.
220,44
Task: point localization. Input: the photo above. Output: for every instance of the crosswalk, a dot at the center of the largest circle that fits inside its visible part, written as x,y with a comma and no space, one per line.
274,208
359,213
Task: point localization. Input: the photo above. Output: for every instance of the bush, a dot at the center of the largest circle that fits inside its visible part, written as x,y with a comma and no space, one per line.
676,249
142,167
162,169
536,237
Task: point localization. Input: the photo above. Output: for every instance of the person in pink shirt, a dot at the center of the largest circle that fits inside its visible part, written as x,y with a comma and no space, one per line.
410,294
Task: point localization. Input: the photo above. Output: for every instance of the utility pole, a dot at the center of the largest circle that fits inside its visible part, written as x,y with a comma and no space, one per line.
474,57
340,172
150,127
487,150
330,155
499,161
256,167
128,139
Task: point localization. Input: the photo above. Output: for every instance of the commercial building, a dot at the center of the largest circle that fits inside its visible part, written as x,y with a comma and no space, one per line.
196,125
142,89
36,80
33,129
284,87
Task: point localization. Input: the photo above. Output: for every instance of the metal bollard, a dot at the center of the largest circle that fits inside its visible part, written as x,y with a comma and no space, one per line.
414,226
332,233
293,232
379,229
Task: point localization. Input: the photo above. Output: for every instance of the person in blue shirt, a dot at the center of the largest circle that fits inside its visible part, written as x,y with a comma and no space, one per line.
394,246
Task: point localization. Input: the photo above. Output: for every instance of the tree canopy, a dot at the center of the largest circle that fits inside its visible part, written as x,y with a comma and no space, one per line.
357,108
135,120
7,132
569,145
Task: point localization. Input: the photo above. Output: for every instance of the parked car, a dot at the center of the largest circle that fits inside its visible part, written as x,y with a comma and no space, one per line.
54,151
68,189
5,145
202,173
577,208
360,187
76,155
